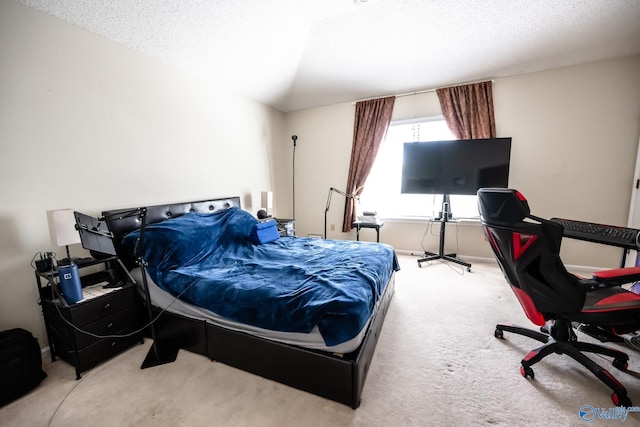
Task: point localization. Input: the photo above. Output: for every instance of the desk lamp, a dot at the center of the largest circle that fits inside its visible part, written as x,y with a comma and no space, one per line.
326,210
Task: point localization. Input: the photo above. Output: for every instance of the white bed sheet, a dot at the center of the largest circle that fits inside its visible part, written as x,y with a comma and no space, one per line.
312,340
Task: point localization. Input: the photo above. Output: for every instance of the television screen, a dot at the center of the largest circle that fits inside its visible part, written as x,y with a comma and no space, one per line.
455,167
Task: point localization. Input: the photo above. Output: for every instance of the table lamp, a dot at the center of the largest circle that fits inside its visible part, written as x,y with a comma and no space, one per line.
266,201
62,229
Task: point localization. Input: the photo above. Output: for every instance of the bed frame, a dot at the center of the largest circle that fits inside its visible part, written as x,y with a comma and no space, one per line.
337,377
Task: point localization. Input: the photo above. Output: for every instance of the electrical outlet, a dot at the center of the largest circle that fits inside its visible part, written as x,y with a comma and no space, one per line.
333,227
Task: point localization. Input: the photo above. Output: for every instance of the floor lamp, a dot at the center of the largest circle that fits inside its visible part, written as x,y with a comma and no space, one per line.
294,138
331,190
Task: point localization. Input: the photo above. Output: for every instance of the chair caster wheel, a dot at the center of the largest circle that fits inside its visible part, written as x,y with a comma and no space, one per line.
498,333
526,371
623,401
468,269
620,363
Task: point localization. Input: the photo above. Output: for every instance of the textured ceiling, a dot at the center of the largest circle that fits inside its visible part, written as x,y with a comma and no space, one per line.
295,54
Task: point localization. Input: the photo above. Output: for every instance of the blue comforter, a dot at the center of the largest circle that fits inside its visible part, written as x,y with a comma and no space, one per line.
290,284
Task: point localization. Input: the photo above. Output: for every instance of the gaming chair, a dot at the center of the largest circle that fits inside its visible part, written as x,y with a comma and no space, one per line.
527,249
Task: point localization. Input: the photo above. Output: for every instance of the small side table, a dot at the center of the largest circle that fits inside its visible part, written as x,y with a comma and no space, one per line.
286,227
110,317
363,224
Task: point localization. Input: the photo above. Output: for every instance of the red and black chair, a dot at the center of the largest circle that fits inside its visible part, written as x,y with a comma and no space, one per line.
528,251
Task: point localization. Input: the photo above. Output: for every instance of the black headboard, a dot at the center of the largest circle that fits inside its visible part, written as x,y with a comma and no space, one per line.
123,221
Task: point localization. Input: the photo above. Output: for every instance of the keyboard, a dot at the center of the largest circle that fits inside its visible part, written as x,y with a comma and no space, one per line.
600,233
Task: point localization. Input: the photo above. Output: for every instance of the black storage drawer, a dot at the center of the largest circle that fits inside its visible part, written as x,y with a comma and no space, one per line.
114,324
90,356
104,349
87,312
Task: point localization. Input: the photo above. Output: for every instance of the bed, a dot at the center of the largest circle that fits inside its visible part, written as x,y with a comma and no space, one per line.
208,288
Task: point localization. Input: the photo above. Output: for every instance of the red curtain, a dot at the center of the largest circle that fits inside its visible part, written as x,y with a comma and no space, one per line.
372,119
468,110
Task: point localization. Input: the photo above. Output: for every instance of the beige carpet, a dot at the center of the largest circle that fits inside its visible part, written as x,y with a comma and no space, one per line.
437,363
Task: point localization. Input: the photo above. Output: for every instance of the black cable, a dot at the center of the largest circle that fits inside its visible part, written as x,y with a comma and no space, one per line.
429,226
122,335
66,396
426,231
461,272
55,295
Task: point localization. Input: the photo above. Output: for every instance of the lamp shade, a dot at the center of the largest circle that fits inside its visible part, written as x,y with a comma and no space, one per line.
62,227
267,200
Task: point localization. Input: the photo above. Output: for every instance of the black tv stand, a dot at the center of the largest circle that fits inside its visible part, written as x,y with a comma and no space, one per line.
445,217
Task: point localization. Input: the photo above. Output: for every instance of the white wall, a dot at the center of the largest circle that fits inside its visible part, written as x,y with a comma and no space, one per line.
575,134
322,161
88,124
577,131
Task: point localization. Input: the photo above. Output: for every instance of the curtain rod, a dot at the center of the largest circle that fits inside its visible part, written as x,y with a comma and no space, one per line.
418,92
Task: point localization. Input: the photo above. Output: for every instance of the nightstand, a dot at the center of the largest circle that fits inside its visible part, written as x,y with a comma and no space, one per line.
110,313
286,227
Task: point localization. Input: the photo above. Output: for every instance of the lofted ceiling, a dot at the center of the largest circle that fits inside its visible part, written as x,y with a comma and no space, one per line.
296,54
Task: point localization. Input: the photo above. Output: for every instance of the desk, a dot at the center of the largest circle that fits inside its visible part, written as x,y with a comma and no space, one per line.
363,224
622,237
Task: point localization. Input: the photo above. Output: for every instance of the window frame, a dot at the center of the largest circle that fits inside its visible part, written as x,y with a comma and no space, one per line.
432,203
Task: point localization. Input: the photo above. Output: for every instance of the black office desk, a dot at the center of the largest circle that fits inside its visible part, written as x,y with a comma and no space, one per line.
603,239
363,224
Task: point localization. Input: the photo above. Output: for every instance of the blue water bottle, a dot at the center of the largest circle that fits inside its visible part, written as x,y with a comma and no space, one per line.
70,283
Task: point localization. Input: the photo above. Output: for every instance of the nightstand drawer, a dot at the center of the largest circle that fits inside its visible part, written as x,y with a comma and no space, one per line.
124,320
103,350
92,310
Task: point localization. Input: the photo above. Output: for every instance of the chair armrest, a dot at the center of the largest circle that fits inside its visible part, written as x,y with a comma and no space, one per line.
616,276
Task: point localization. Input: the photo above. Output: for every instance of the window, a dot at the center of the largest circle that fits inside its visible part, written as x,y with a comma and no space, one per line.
382,190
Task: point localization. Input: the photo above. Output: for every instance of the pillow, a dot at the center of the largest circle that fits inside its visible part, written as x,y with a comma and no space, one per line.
264,232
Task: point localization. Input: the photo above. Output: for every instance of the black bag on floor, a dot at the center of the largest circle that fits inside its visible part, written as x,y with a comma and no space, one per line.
20,364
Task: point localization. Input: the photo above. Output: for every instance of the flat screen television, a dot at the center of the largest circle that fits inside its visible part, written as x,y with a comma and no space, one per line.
455,167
